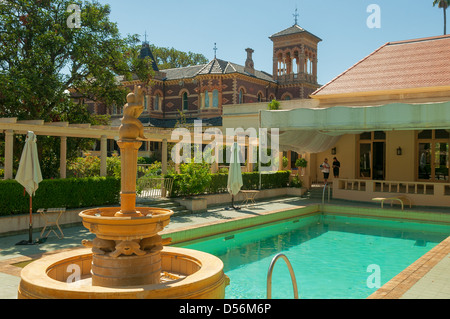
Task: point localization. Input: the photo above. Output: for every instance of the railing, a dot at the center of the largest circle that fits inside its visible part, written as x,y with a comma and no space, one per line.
154,187
421,193
325,187
286,78
269,276
424,188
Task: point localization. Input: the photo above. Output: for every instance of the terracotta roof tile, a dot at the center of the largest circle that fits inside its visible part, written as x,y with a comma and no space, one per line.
396,65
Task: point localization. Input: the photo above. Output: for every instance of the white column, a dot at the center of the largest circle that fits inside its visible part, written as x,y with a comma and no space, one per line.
63,157
9,143
103,154
164,157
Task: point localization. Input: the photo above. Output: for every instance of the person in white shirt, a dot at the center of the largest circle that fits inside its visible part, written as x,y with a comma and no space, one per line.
325,167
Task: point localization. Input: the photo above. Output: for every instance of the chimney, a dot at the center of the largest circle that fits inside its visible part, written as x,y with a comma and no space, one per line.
249,66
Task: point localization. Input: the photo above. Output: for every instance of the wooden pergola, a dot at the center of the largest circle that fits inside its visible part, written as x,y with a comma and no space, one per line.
12,126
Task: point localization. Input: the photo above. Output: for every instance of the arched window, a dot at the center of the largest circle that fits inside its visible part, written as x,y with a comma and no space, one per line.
215,98
185,101
206,98
157,102
260,97
286,97
241,96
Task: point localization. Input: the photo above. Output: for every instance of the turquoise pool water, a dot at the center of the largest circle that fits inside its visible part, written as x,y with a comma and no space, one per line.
332,256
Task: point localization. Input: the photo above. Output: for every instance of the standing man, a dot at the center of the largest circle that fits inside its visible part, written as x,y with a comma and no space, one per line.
336,166
325,167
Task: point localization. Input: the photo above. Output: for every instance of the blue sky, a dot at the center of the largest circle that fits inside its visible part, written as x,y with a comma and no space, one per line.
235,25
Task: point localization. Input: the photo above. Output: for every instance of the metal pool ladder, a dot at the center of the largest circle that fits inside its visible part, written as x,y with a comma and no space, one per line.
323,193
269,275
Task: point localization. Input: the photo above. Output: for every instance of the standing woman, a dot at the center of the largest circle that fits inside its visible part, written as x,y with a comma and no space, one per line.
336,166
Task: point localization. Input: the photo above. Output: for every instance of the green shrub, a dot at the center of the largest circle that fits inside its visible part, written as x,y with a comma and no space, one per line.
274,105
296,182
219,181
89,166
195,179
69,193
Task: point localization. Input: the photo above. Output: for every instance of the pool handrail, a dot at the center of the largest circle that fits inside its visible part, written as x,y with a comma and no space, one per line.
323,193
269,275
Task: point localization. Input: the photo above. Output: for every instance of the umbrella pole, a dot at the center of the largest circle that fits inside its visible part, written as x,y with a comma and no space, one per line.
30,229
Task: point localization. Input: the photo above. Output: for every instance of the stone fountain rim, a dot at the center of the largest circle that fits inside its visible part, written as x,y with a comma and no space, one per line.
35,276
160,213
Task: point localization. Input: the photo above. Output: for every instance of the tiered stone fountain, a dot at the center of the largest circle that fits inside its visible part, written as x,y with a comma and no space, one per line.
127,258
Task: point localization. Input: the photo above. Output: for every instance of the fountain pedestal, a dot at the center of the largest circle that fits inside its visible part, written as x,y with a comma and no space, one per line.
128,156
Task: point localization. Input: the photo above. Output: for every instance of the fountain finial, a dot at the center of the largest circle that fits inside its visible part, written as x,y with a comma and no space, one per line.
132,128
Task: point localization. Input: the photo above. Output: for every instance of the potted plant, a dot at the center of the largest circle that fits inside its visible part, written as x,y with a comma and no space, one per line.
302,163
274,105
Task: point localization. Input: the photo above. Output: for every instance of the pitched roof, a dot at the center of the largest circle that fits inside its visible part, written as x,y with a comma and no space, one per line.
147,52
396,65
215,66
295,29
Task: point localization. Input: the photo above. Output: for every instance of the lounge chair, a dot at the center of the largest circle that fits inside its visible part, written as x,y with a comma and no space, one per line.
400,198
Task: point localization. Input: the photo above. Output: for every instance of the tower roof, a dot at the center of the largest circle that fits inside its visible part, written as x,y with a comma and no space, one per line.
147,52
295,29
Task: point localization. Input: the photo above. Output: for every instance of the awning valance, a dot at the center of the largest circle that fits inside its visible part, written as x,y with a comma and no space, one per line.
317,130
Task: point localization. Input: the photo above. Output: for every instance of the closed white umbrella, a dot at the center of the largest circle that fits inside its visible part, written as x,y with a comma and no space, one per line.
234,174
29,174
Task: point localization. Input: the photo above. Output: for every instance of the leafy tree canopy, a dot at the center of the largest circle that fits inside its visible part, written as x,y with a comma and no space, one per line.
170,58
41,57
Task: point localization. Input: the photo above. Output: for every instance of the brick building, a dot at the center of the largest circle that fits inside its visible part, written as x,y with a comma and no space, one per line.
200,91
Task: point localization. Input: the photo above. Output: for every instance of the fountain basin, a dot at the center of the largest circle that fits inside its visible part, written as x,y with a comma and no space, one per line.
103,223
186,274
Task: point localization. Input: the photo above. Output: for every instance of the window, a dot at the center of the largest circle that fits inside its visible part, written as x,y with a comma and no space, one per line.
372,155
206,98
157,102
260,97
433,155
215,98
145,102
185,101
241,96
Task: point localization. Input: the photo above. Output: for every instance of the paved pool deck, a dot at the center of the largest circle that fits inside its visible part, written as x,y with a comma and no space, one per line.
427,278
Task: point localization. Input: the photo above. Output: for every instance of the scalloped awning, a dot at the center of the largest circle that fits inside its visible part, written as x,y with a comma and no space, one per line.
317,130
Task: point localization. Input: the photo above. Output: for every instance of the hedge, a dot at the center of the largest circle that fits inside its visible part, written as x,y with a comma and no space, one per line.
69,193
250,181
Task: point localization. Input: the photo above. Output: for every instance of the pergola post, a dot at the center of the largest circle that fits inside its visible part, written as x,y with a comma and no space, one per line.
164,157
9,143
63,157
103,154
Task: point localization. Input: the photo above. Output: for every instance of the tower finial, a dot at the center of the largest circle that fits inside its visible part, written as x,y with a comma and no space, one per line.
215,50
145,36
296,15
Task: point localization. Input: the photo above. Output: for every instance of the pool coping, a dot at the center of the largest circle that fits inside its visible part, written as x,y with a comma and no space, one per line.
404,281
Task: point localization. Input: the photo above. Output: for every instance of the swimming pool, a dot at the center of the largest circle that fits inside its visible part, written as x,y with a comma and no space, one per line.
333,256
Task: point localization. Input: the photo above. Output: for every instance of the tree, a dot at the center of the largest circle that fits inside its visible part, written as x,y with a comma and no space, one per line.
41,57
444,4
170,58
